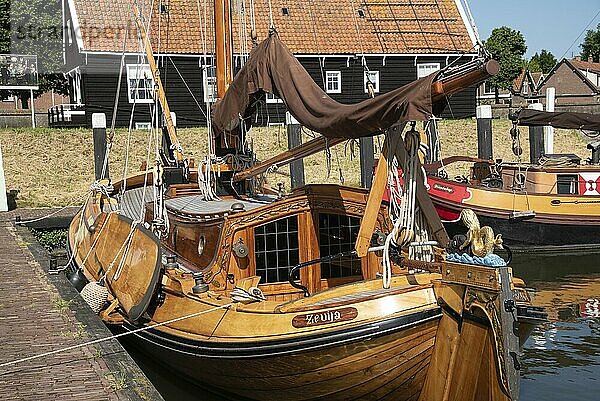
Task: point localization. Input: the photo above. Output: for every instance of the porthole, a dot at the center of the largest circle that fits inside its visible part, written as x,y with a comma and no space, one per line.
201,243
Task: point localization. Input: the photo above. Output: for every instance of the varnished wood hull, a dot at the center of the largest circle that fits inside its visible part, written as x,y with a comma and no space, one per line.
368,342
384,360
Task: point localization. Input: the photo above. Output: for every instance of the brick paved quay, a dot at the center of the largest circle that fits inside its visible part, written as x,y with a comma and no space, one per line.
41,312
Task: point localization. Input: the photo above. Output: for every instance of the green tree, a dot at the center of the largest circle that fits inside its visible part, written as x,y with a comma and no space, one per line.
591,45
507,46
542,62
35,27
4,26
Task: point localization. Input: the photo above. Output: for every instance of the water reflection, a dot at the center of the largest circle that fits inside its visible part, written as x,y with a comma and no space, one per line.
561,360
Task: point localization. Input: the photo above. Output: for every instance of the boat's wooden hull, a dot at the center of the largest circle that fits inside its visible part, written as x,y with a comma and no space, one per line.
558,220
384,360
357,340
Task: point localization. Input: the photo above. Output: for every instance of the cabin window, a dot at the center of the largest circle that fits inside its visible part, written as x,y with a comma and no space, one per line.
271,98
373,77
426,69
333,81
139,83
276,249
338,233
567,184
210,83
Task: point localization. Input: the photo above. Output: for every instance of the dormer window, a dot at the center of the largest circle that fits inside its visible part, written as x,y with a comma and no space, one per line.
285,11
361,13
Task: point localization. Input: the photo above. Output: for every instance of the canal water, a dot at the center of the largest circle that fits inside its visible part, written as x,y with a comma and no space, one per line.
561,360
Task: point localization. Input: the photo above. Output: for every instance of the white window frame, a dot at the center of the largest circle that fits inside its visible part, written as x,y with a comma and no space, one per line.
143,125
69,33
135,74
333,81
426,69
76,85
209,82
486,84
374,77
271,98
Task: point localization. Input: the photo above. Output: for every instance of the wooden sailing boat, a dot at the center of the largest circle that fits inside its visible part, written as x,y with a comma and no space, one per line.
550,203
280,297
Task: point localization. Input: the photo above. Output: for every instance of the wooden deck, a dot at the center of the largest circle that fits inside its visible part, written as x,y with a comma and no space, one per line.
41,313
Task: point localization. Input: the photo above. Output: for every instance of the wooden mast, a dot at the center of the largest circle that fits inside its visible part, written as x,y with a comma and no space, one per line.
223,57
162,98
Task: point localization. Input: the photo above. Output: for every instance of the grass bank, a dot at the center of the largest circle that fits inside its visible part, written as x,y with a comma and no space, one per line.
54,167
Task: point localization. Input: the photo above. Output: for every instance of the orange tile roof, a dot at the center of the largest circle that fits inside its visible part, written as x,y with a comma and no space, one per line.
586,65
312,26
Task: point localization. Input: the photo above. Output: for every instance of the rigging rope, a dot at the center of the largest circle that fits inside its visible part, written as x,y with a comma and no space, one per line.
99,340
402,199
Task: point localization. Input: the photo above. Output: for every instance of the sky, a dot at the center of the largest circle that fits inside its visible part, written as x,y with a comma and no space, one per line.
545,24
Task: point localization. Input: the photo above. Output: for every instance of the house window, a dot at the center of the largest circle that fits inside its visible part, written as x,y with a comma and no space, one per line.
333,81
276,249
271,98
75,80
426,69
210,83
373,77
139,83
338,233
69,34
488,88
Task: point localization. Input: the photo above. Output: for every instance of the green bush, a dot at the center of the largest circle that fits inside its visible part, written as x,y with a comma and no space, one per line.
51,239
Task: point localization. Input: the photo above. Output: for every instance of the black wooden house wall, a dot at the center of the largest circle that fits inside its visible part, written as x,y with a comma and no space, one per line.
100,72
397,71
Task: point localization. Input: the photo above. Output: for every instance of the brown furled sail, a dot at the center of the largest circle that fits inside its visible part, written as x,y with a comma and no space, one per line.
568,120
272,68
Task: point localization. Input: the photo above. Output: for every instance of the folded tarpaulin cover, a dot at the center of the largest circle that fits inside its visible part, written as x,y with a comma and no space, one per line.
272,68
529,117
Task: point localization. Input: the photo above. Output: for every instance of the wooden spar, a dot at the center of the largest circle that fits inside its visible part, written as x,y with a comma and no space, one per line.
162,98
373,203
223,46
440,90
223,58
306,149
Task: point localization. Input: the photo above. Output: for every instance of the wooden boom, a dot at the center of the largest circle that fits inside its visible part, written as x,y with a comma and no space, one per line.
440,90
162,98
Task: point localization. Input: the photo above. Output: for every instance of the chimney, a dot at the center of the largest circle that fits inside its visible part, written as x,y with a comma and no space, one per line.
578,58
590,59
